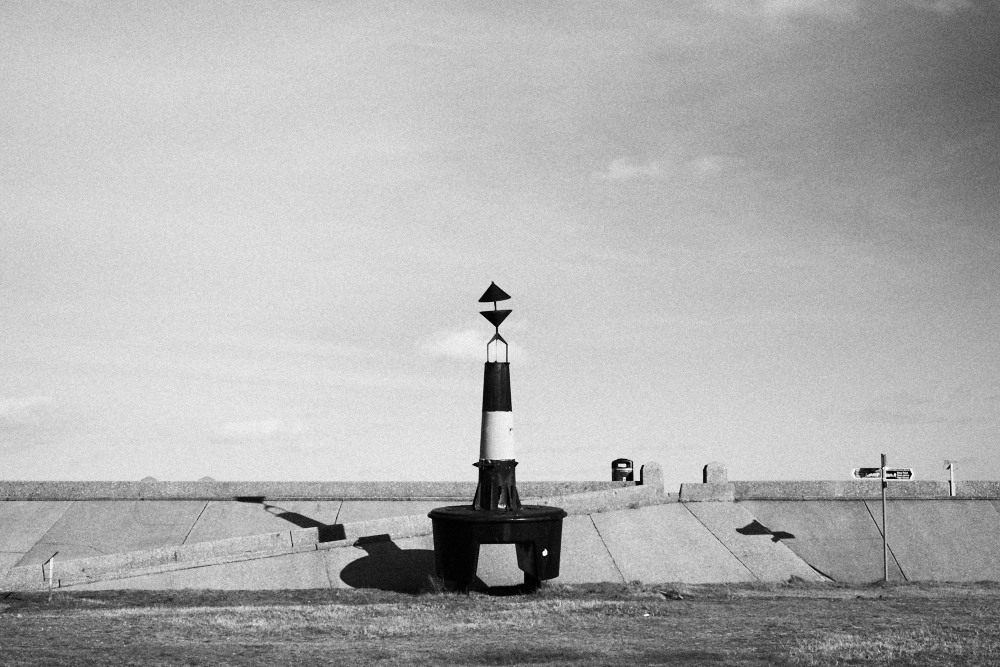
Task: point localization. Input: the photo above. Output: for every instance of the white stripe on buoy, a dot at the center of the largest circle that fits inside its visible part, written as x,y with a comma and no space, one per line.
497,438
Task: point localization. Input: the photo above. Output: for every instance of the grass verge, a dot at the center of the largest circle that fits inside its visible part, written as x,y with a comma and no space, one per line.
765,624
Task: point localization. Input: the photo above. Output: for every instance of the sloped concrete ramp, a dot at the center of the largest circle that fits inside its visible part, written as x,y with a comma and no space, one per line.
225,519
366,510
611,546
253,542
286,572
929,540
758,550
94,528
34,530
838,538
389,564
585,555
666,543
23,524
618,534
944,540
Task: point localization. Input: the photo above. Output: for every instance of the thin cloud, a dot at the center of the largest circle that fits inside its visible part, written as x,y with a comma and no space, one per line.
26,411
823,7
960,404
782,8
711,165
941,6
624,170
266,429
701,166
464,345
876,415
838,9
32,421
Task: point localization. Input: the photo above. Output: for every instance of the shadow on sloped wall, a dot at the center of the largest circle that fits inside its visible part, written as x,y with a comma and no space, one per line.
389,568
757,528
327,532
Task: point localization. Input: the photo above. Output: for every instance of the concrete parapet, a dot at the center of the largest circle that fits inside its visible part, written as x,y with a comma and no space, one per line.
235,545
700,493
607,501
394,526
96,568
867,489
212,490
987,490
304,537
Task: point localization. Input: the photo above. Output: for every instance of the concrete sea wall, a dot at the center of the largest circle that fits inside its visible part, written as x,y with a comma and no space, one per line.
277,535
212,490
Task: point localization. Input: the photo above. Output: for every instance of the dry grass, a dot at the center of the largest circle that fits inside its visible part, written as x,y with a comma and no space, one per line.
921,646
797,624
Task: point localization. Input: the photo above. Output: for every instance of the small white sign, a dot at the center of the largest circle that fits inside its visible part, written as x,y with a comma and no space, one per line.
891,474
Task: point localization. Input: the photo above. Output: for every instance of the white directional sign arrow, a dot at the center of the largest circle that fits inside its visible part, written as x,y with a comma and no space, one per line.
891,474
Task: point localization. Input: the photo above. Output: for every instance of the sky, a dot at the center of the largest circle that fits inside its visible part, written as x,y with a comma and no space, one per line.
246,240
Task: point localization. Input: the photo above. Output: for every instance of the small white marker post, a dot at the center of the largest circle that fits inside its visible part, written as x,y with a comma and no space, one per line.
51,562
950,465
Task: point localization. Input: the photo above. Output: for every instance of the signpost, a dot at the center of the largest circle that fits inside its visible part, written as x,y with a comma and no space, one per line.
897,474
886,475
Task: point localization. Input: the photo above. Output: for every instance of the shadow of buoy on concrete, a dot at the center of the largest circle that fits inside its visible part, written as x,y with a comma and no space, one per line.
327,532
389,568
757,528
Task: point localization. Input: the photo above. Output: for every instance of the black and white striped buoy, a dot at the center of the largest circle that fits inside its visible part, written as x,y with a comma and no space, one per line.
496,515
497,487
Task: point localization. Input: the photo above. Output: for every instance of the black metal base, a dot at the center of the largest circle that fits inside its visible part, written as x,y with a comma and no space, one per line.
536,531
497,489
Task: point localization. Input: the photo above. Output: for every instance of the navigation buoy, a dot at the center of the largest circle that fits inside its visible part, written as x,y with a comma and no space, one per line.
496,515
497,488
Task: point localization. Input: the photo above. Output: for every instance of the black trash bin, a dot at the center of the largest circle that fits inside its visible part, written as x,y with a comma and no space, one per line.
621,470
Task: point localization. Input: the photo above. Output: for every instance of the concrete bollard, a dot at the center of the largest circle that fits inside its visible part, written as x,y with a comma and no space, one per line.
715,473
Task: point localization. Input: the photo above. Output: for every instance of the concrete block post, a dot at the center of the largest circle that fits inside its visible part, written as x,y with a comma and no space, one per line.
651,474
715,473
715,486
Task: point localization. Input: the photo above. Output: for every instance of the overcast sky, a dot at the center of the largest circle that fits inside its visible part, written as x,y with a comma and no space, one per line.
247,239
